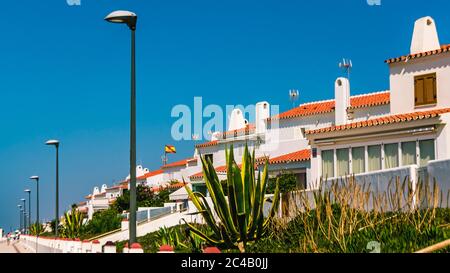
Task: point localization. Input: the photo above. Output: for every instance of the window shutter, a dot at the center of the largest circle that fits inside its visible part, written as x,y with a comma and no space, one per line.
425,89
419,90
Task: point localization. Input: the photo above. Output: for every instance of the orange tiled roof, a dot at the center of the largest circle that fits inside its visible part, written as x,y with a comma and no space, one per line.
443,49
172,186
299,156
88,196
100,194
122,186
249,129
316,108
82,204
150,174
219,170
382,121
207,144
178,163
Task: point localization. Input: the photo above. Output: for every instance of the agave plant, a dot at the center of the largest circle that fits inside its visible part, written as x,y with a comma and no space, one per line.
73,224
241,218
36,229
170,236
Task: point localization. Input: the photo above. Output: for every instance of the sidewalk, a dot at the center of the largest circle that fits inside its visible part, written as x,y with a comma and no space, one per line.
13,247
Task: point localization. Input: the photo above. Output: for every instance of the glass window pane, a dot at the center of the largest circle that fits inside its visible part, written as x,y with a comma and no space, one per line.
426,151
343,165
408,153
328,164
391,156
358,160
374,158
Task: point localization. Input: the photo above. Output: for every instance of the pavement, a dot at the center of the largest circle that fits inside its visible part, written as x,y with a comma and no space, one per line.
13,247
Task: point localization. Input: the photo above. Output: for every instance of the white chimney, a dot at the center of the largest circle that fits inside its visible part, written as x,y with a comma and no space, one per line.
342,100
425,36
261,115
237,120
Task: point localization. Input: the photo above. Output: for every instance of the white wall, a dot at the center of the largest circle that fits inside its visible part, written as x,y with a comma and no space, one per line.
402,82
439,170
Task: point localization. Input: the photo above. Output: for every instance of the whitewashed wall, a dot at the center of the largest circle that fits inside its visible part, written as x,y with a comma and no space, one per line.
402,81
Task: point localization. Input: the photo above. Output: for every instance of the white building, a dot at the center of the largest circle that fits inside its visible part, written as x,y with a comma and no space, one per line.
363,134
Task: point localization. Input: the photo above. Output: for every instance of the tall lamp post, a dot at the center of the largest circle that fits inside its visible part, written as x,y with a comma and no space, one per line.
20,216
38,227
29,209
130,19
24,214
56,144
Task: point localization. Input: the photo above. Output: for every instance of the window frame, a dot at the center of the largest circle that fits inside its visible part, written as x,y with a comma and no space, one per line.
424,92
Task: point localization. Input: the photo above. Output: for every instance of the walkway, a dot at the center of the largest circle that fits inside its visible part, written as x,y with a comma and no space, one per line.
13,247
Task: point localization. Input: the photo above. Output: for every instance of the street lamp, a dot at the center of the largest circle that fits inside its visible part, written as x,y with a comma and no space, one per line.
56,144
38,225
24,213
29,208
130,19
20,216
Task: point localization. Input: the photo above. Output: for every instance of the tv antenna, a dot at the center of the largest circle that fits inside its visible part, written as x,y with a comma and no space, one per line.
294,96
347,66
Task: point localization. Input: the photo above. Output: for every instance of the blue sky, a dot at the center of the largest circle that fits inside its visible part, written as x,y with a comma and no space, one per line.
65,74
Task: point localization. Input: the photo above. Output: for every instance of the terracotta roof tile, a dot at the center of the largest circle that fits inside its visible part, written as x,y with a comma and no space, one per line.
249,129
322,107
299,156
382,120
178,163
150,174
207,144
443,49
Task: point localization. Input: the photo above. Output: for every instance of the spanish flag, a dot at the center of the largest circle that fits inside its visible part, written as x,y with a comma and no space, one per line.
170,149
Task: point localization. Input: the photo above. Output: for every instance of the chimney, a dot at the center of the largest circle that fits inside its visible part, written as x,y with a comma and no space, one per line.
261,115
237,120
342,100
425,37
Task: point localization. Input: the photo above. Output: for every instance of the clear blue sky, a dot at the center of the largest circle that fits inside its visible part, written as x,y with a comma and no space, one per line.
65,74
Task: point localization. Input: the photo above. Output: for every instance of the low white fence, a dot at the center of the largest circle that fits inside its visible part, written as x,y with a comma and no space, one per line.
64,245
404,188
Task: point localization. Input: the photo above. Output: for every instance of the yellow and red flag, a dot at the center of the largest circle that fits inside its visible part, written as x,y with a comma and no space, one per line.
170,149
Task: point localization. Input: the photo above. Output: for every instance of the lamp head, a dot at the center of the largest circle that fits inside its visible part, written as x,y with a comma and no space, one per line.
34,177
123,17
23,199
27,190
19,206
52,142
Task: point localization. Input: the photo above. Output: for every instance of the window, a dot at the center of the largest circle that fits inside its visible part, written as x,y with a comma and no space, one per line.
374,158
358,160
328,164
425,89
209,157
301,181
408,153
426,151
342,157
391,156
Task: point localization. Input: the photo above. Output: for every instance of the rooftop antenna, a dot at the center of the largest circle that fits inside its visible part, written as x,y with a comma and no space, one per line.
347,66
293,96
